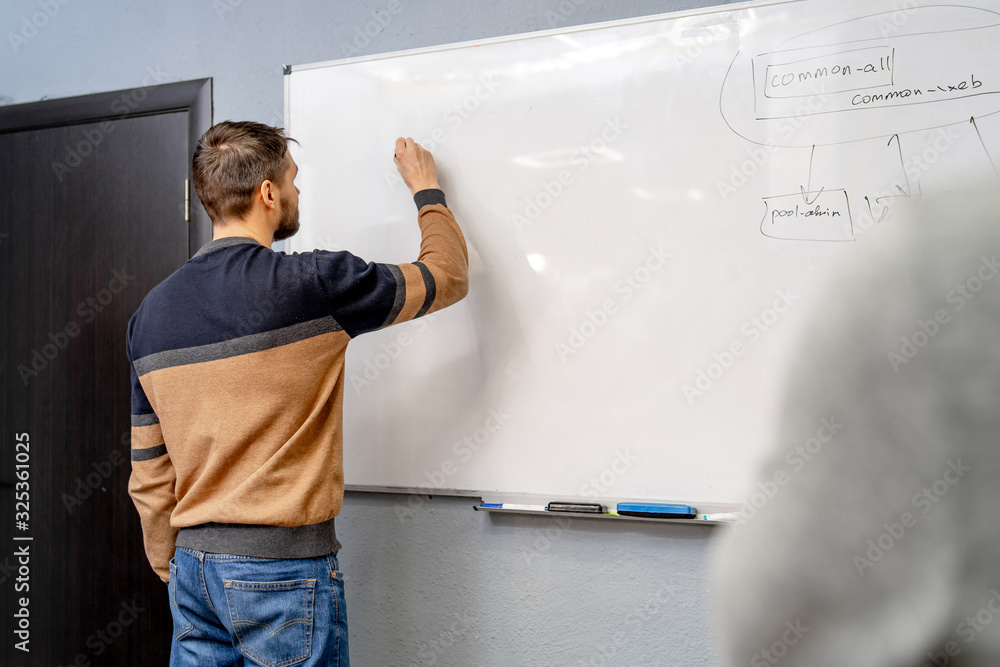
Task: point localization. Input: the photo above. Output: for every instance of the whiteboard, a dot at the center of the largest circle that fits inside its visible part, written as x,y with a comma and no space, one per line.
652,207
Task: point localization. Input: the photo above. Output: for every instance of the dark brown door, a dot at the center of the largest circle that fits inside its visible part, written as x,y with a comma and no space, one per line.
92,218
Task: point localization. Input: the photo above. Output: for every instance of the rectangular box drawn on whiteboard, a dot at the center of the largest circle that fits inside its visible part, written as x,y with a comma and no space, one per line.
808,216
834,73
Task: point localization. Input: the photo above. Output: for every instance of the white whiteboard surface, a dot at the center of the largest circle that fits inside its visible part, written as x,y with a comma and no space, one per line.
650,206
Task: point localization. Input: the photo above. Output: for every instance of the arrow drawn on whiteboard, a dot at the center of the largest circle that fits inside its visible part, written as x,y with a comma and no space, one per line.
988,156
901,164
871,213
808,188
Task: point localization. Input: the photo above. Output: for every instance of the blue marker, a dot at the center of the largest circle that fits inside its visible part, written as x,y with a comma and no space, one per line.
494,505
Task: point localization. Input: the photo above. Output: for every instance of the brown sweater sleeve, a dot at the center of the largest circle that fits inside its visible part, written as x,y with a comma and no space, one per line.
444,253
365,296
151,486
440,275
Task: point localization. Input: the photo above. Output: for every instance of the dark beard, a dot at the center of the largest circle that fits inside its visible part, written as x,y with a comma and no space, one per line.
288,224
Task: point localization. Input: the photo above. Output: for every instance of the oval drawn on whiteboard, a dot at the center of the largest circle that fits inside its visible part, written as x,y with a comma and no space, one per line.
873,76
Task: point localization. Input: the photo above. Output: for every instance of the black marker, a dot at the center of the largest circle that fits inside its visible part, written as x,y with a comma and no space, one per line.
588,508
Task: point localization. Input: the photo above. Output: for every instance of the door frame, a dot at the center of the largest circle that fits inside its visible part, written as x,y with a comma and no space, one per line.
194,96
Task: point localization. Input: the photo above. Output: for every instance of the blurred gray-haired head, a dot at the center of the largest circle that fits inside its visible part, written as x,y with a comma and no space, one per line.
881,545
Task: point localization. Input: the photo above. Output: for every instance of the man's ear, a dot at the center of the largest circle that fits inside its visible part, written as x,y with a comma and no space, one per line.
266,192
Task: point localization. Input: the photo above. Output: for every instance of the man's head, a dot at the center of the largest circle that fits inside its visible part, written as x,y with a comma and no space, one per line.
243,170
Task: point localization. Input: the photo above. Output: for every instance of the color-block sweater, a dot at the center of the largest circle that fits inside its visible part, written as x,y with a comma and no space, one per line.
237,363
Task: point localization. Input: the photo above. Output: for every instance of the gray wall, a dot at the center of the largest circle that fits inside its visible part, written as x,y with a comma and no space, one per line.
438,584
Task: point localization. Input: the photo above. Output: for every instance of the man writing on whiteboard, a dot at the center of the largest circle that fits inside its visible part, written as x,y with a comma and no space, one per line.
237,396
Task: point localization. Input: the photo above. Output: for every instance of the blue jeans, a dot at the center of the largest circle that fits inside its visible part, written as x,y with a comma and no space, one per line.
244,610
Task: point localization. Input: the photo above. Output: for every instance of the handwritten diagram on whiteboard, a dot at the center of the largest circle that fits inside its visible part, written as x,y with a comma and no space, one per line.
651,206
866,79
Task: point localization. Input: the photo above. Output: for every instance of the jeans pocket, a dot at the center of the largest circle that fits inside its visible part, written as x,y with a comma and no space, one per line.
181,624
337,583
273,620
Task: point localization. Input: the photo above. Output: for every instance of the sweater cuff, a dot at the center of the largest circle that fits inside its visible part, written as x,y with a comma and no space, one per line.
430,196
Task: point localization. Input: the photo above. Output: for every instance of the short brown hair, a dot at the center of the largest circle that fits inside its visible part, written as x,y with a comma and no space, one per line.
230,162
